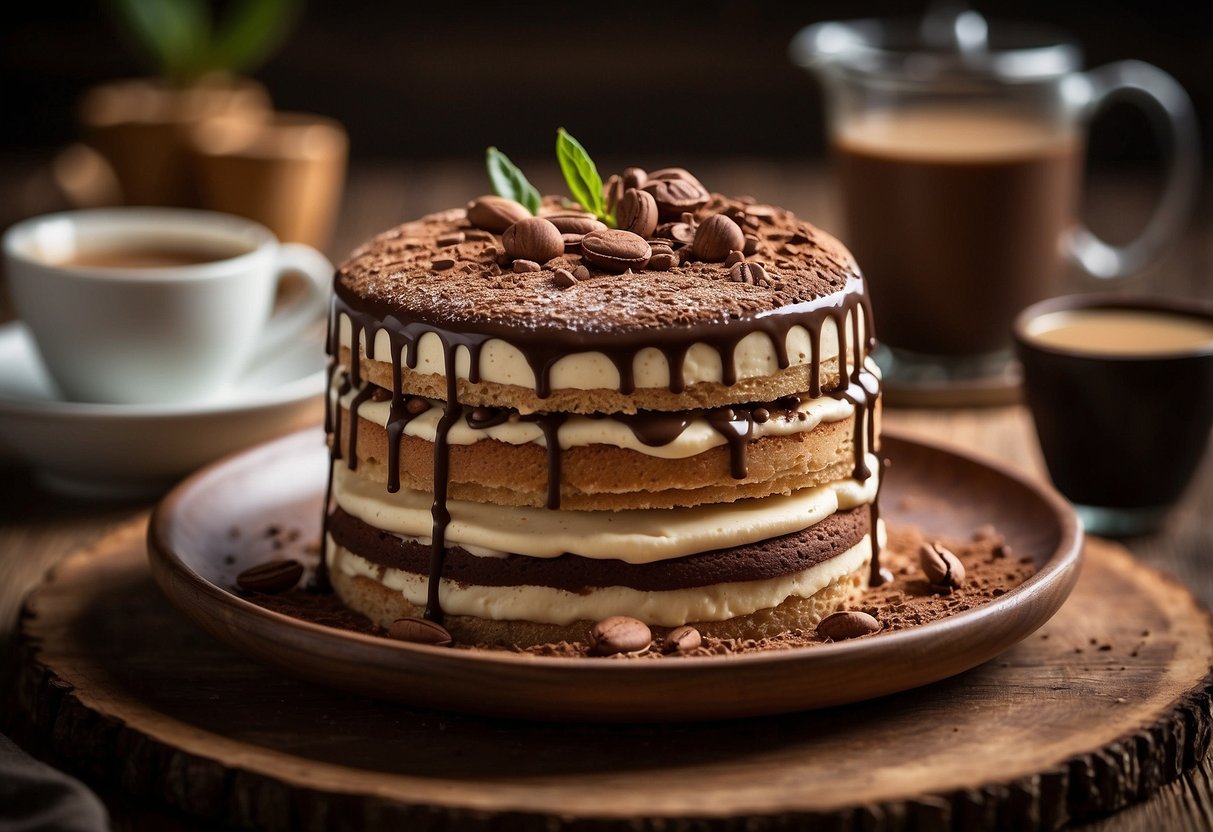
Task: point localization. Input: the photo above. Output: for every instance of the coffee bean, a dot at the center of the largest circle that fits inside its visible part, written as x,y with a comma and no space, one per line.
495,213
634,178
676,196
674,173
761,415
271,577
842,625
442,264
581,273
575,223
533,238
734,258
416,405
419,631
613,189
677,232
660,246
636,212
744,272
524,266
619,634
661,263
716,237
451,239
682,640
940,566
564,278
572,242
615,250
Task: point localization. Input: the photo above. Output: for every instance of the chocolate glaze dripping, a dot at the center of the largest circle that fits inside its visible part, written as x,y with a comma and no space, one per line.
736,433
355,405
543,348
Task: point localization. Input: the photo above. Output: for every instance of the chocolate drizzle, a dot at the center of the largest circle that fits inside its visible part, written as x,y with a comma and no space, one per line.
542,347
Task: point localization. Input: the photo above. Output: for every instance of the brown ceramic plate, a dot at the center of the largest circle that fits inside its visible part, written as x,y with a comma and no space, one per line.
194,559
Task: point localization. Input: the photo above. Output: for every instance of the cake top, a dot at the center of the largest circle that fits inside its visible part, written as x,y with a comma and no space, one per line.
678,257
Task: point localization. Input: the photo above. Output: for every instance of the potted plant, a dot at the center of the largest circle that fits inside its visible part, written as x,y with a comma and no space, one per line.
141,127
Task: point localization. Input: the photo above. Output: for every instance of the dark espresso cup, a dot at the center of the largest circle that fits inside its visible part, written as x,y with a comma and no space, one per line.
1121,391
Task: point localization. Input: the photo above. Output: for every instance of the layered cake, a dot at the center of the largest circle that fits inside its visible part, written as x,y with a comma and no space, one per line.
539,422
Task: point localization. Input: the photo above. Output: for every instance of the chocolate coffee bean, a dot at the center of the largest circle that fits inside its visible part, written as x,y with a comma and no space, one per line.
619,634
716,237
674,173
533,238
451,239
734,258
442,264
636,212
416,405
615,250
679,233
272,577
419,631
634,178
682,640
495,213
751,245
940,566
524,266
744,272
581,273
661,263
613,191
575,223
846,624
564,278
676,196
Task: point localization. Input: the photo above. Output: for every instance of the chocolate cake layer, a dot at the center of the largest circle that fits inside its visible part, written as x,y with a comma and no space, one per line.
767,559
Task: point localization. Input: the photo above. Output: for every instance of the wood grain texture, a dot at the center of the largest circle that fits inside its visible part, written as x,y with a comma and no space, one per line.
1108,702
37,529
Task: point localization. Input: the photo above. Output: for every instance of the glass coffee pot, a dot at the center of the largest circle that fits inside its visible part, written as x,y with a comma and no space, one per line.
959,151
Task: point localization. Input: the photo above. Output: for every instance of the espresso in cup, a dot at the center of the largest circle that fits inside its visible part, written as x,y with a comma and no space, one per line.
1121,393
156,305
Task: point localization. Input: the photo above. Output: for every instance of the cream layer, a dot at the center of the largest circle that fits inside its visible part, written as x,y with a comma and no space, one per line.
578,431
631,535
503,363
669,608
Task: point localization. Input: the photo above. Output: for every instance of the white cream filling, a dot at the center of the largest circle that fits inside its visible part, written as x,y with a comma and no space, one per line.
578,431
632,535
667,608
503,363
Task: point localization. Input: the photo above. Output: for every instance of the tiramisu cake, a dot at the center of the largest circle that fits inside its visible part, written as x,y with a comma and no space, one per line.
541,422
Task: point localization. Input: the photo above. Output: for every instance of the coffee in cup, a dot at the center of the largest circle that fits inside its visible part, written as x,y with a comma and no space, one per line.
156,305
1121,393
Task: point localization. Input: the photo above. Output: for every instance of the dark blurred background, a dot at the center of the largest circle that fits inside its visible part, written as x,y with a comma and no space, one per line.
648,80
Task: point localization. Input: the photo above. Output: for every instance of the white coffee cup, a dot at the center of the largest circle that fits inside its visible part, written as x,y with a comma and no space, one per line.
156,305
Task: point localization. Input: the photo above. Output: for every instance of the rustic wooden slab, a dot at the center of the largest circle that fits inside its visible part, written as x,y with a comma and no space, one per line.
1107,702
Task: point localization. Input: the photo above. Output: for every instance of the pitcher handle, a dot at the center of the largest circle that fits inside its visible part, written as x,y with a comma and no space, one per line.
1174,123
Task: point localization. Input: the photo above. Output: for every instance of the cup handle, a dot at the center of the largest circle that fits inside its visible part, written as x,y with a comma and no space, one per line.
288,322
1174,122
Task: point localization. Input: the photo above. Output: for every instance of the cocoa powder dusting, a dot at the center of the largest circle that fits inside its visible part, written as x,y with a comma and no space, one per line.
909,600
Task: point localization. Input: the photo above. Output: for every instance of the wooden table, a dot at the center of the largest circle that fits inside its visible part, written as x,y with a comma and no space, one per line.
38,529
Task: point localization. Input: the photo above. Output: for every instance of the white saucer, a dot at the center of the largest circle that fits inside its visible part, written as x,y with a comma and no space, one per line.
123,451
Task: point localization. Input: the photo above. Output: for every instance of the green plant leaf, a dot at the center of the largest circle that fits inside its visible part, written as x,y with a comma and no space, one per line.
173,33
509,181
581,175
249,33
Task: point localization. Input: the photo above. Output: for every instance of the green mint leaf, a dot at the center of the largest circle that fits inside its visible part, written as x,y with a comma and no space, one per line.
509,181
585,185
